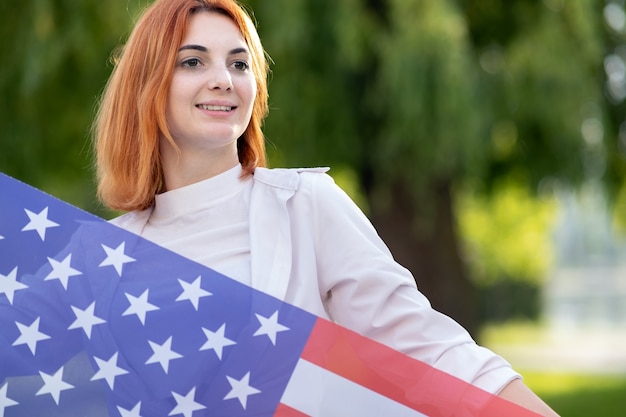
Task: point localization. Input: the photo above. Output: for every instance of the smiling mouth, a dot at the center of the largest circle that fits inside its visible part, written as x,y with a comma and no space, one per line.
215,108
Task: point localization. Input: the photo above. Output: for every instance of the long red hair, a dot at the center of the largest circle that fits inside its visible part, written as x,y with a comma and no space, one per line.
131,115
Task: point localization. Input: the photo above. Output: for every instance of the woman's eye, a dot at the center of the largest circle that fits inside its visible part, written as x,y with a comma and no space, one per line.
191,62
241,65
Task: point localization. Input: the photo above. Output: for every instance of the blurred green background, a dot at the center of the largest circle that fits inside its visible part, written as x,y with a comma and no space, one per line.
485,139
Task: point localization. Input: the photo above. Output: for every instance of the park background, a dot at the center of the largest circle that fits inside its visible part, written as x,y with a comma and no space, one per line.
485,139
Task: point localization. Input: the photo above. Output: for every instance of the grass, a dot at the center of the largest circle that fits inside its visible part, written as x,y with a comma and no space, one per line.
571,393
578,395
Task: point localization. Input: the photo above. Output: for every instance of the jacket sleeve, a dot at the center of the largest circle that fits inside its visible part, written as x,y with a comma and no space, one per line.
368,292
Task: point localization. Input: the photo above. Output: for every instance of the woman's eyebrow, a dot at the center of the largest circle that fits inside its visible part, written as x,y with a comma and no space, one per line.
193,47
238,51
204,49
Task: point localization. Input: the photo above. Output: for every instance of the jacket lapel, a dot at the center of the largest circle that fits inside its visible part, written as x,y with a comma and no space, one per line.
270,230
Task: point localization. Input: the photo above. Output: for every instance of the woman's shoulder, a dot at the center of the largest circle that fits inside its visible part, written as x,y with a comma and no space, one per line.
289,178
309,187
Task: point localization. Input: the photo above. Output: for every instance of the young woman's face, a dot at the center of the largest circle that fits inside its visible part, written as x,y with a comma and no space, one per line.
213,87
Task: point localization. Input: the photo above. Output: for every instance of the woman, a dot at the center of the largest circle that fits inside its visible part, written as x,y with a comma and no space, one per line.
179,145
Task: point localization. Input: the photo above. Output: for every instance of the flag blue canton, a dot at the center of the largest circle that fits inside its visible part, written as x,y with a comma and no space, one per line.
96,321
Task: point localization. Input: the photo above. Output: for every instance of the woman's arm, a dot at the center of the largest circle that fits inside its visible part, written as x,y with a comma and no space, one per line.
517,392
365,290
373,295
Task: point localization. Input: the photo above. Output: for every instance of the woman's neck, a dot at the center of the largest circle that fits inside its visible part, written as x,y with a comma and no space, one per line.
184,168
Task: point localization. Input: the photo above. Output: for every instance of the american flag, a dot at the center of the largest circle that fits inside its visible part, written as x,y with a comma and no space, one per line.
96,321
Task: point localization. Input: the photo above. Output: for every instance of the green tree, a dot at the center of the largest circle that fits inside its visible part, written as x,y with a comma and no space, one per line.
55,60
418,97
412,98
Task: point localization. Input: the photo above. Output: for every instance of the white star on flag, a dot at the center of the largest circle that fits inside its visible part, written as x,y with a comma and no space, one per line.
4,400
139,306
108,370
85,319
30,335
1,237
163,354
216,340
9,284
116,257
62,270
39,222
53,385
186,404
192,292
241,389
270,326
134,412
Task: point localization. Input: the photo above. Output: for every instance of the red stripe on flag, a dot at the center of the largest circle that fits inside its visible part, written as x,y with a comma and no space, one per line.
400,377
285,411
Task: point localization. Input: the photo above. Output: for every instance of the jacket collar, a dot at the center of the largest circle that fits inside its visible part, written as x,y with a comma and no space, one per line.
270,230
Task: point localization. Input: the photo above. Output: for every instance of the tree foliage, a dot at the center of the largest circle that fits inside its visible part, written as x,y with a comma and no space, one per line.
409,98
55,62
505,235
418,97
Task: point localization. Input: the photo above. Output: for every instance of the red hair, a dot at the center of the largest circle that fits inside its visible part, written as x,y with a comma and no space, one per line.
131,116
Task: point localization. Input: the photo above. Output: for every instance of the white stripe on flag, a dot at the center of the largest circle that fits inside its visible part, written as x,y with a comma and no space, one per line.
317,392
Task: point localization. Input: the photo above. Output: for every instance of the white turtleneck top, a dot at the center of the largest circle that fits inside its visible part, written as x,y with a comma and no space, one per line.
208,222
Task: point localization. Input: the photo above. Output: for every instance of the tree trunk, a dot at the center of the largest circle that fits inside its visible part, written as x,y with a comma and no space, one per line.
423,237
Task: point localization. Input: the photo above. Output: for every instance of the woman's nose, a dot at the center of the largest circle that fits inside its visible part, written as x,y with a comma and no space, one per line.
219,78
